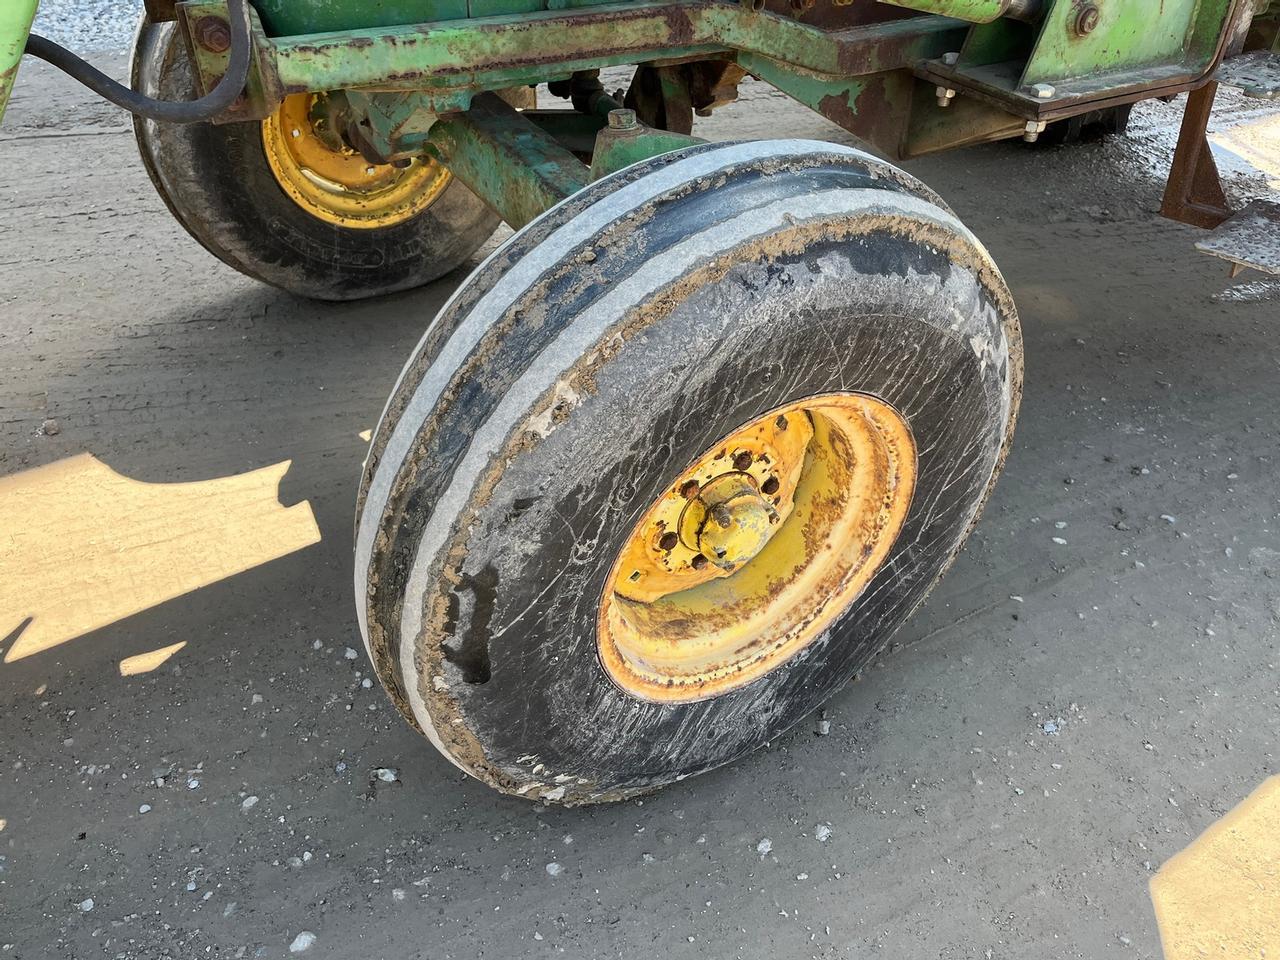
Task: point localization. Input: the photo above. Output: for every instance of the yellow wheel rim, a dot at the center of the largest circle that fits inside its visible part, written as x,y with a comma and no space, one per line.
333,182
755,549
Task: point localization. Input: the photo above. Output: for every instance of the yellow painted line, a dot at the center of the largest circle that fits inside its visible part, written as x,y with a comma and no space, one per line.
82,546
1220,897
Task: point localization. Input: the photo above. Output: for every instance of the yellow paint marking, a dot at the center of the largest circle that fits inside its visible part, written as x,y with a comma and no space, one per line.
82,546
1220,897
146,662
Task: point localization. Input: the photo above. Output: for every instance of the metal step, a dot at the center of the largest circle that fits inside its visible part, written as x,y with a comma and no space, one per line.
1251,238
1255,74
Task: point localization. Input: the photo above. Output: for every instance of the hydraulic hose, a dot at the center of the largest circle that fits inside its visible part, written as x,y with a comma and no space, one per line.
210,105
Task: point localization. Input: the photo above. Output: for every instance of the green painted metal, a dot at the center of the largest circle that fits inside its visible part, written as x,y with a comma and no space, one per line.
507,161
497,52
395,124
973,11
624,141
997,42
1127,35
420,74
283,18
15,24
967,121
521,170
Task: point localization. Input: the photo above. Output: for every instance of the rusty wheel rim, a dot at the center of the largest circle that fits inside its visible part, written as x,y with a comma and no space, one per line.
755,549
334,183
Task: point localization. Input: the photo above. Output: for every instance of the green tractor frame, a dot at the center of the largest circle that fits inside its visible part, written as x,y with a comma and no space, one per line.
679,456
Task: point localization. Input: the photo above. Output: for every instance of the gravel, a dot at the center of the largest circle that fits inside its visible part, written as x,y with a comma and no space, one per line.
87,26
302,942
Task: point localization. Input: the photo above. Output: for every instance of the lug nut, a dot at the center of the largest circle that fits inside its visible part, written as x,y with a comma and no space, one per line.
742,460
698,561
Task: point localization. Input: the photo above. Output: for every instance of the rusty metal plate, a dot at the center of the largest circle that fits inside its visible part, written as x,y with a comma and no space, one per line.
1255,74
1251,238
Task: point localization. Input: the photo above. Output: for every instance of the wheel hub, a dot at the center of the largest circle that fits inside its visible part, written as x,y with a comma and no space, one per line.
729,521
335,183
748,480
755,549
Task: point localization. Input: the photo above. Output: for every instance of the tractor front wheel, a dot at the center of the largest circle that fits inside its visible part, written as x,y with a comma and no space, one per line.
676,461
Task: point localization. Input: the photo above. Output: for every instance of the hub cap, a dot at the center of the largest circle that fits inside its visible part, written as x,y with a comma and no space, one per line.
333,182
756,548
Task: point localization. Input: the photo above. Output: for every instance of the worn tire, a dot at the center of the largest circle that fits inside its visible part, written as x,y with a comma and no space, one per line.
583,366
216,181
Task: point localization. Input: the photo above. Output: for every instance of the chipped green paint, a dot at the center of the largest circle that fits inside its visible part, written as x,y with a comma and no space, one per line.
407,69
973,11
624,141
292,17
510,163
1124,35
15,24
502,51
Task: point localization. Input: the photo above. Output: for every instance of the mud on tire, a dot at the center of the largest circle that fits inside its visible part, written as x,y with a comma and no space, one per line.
598,353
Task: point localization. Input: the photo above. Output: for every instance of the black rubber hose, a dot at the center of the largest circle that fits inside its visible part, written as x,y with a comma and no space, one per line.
210,105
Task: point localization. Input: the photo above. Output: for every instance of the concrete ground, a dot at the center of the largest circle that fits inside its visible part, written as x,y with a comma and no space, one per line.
1091,687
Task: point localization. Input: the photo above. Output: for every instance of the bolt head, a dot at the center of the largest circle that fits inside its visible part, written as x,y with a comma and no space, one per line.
945,96
213,34
1032,130
622,119
1087,20
1044,91
951,59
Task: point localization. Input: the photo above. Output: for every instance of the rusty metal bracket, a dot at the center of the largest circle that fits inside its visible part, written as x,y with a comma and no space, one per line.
1194,192
208,31
660,97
